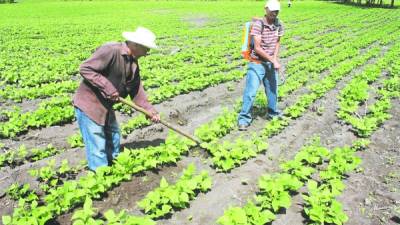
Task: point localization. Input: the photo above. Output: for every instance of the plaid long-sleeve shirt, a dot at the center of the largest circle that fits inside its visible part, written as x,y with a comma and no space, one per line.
108,70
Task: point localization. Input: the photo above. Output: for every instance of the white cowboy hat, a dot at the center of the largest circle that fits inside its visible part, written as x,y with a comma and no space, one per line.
273,5
142,36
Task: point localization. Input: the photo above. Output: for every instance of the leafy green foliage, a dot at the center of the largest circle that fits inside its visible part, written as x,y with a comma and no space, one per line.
87,214
16,192
322,207
50,176
75,140
45,90
227,155
84,216
309,156
356,94
274,193
123,218
50,112
217,128
41,153
342,160
164,199
72,193
275,126
134,123
249,214
275,190
297,169
196,62
360,144
13,157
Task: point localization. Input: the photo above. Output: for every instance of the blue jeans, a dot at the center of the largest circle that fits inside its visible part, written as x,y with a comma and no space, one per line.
102,143
257,73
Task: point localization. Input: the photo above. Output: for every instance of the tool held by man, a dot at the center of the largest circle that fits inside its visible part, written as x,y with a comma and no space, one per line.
140,109
281,77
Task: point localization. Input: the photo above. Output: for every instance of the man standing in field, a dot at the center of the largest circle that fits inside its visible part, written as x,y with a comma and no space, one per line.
111,72
264,65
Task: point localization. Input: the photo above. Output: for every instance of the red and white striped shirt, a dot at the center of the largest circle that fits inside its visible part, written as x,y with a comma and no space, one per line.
269,36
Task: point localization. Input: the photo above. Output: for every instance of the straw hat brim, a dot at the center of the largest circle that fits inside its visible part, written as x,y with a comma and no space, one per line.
134,37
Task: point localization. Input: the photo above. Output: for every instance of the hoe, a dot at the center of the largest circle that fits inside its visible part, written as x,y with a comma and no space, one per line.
140,109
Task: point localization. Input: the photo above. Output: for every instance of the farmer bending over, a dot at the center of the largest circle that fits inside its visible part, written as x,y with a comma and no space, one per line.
264,65
111,72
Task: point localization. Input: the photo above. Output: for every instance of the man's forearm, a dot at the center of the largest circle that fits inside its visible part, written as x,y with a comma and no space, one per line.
97,80
90,70
276,52
264,55
141,99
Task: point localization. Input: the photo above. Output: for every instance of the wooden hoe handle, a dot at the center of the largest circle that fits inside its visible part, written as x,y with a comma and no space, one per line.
147,113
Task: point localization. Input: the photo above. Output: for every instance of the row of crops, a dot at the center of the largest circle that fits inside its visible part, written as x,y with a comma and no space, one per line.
38,67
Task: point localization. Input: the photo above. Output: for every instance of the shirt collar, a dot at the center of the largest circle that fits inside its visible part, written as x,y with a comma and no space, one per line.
126,51
271,26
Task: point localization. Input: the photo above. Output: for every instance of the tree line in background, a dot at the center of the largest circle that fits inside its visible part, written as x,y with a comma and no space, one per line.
369,3
7,1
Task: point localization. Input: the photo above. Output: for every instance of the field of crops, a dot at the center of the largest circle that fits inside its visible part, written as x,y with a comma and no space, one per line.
333,158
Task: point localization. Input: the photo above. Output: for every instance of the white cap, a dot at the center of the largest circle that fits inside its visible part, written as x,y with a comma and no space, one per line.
273,5
142,36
